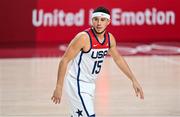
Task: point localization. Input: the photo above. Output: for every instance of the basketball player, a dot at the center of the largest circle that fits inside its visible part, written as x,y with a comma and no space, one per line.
87,52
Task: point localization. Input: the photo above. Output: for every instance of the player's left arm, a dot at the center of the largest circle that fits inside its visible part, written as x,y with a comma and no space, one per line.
121,63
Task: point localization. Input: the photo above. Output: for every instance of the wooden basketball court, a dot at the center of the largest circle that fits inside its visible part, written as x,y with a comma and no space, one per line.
26,86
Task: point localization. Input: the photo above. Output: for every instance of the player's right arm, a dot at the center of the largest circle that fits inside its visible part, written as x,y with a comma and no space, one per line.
73,49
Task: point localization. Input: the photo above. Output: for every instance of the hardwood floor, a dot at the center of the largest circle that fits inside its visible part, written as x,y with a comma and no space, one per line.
26,86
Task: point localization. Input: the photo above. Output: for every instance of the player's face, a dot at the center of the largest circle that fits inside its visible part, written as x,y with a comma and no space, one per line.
100,24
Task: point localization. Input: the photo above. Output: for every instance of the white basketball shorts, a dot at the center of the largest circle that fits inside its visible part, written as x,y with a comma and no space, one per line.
80,97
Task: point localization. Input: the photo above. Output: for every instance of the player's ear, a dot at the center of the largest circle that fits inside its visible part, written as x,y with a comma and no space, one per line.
109,21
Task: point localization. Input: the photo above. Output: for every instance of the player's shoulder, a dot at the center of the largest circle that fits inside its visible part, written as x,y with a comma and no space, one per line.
82,35
112,40
80,39
111,35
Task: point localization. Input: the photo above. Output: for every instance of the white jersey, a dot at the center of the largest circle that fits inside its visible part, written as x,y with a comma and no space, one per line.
87,65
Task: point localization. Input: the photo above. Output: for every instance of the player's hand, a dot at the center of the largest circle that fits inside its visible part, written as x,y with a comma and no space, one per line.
138,90
56,98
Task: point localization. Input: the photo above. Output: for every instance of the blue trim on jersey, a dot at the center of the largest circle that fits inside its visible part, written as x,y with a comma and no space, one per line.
109,40
90,42
98,39
78,84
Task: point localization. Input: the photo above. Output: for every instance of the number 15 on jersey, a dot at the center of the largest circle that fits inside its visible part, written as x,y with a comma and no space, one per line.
97,67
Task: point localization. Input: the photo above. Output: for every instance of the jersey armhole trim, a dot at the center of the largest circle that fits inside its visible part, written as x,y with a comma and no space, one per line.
109,40
90,43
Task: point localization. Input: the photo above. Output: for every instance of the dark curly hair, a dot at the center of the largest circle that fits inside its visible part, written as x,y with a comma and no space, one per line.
101,9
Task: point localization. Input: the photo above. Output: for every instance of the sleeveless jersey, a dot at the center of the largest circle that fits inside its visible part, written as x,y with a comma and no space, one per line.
87,65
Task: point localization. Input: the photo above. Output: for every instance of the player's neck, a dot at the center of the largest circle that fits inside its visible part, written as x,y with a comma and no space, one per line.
100,36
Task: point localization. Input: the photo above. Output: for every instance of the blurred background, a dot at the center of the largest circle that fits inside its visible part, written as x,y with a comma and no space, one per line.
35,33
